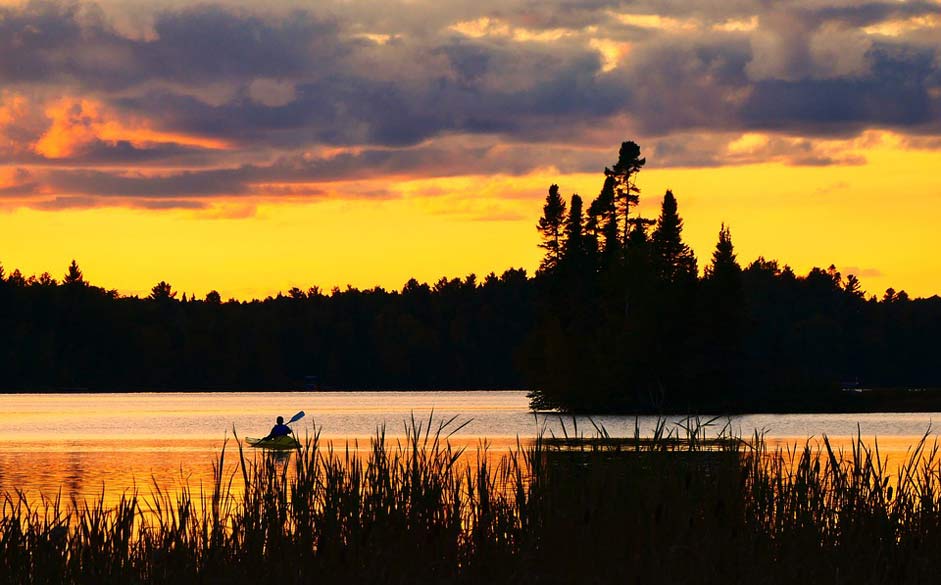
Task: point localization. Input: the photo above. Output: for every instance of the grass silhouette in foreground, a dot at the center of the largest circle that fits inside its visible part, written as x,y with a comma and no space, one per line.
674,507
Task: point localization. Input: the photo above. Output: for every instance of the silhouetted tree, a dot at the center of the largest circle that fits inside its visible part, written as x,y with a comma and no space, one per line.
673,259
724,263
213,297
853,287
624,176
604,209
162,291
552,226
73,277
16,278
722,315
575,249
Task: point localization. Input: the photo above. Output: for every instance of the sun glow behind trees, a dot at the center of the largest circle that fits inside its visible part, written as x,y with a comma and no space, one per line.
806,216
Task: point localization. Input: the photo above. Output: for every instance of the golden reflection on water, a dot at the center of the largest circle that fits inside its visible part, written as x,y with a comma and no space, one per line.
89,444
89,469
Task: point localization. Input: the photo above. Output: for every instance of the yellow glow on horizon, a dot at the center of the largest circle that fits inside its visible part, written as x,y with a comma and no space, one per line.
876,219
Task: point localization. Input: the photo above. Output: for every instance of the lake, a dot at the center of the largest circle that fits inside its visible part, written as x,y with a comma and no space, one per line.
83,443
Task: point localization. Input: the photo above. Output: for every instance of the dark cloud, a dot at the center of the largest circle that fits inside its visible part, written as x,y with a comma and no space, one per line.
53,41
430,100
896,93
860,14
109,184
293,175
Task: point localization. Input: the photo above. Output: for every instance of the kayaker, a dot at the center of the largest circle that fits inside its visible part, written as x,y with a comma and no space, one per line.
279,430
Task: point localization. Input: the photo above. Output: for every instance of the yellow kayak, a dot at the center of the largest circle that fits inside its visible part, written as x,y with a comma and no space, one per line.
283,443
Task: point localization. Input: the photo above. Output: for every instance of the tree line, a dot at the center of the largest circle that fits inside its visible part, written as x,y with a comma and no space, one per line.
619,317
70,334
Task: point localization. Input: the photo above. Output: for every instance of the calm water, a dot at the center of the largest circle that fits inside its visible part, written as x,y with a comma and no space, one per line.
80,443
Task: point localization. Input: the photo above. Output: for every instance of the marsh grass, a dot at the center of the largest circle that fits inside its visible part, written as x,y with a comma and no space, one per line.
677,507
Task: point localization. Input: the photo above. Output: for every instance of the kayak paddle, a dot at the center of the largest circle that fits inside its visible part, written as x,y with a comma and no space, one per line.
296,417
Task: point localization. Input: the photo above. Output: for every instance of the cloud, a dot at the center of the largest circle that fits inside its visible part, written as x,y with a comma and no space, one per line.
218,100
862,272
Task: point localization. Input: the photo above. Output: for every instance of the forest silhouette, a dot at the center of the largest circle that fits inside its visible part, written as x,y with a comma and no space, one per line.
616,319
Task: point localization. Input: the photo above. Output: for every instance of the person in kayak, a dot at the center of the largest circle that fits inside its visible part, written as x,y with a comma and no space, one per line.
279,430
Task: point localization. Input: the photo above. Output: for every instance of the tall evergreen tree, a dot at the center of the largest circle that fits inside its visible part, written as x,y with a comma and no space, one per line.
724,262
626,192
74,276
574,247
722,316
552,226
162,292
674,260
603,218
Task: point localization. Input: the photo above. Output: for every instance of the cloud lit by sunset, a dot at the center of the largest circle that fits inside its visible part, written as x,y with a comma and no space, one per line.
249,150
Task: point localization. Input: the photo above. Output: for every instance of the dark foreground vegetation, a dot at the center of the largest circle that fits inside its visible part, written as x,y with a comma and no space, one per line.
661,509
619,318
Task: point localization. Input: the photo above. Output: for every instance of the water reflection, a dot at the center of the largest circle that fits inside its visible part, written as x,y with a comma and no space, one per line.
83,444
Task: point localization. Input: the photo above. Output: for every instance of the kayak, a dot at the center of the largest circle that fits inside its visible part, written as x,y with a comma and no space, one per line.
283,443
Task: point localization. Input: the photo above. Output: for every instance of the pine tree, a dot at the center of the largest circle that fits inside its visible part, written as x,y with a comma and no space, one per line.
724,263
722,318
603,221
626,192
673,259
162,291
74,276
551,226
853,287
574,249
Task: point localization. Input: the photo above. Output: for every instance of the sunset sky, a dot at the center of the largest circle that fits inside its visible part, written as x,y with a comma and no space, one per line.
250,147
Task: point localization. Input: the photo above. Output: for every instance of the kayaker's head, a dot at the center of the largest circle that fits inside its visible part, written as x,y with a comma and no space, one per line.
280,420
